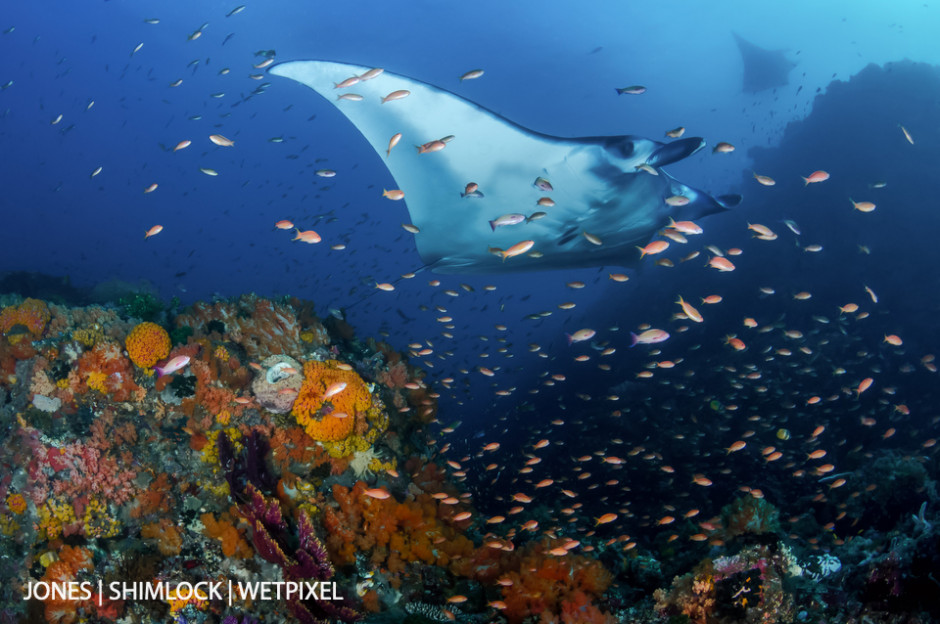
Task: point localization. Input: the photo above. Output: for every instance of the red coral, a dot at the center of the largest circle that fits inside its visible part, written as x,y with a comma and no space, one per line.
155,500
395,376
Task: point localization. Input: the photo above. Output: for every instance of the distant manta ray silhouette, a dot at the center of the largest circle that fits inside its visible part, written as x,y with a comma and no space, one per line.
604,205
763,69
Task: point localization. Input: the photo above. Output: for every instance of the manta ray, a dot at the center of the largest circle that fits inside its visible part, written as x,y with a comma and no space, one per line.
763,69
606,195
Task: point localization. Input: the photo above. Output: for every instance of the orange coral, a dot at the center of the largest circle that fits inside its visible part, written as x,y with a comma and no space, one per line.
233,543
371,602
354,398
156,499
16,503
72,560
393,533
32,314
104,368
169,540
147,344
542,583
292,445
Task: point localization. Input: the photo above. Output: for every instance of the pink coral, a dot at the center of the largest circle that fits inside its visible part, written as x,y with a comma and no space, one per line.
90,472
395,376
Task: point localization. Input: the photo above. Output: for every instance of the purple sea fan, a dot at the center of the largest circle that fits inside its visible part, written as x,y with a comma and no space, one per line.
309,561
312,560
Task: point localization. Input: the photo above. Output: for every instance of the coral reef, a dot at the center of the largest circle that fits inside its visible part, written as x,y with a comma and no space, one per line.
750,586
331,401
147,344
237,468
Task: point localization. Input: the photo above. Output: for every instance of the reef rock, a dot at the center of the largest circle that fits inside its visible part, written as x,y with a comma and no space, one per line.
278,373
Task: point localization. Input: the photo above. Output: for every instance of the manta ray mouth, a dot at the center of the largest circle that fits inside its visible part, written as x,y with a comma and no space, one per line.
586,201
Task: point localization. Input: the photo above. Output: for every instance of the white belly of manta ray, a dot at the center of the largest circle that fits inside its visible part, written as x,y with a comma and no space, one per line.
559,202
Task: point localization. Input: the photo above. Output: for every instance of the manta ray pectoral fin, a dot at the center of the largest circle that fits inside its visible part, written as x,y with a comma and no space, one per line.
675,151
729,201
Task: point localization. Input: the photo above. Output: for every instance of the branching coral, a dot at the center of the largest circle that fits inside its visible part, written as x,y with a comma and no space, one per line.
147,344
328,418
86,470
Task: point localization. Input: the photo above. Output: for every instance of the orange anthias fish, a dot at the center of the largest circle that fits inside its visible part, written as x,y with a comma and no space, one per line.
690,311
655,247
396,95
518,249
308,236
605,519
816,176
334,389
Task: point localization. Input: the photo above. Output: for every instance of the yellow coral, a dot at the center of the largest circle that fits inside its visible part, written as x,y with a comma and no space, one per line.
98,521
347,446
9,527
179,600
210,452
96,381
53,516
377,465
88,336
32,314
147,344
16,503
221,353
346,404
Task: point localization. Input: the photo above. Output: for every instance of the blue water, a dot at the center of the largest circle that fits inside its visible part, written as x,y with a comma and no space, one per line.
552,67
